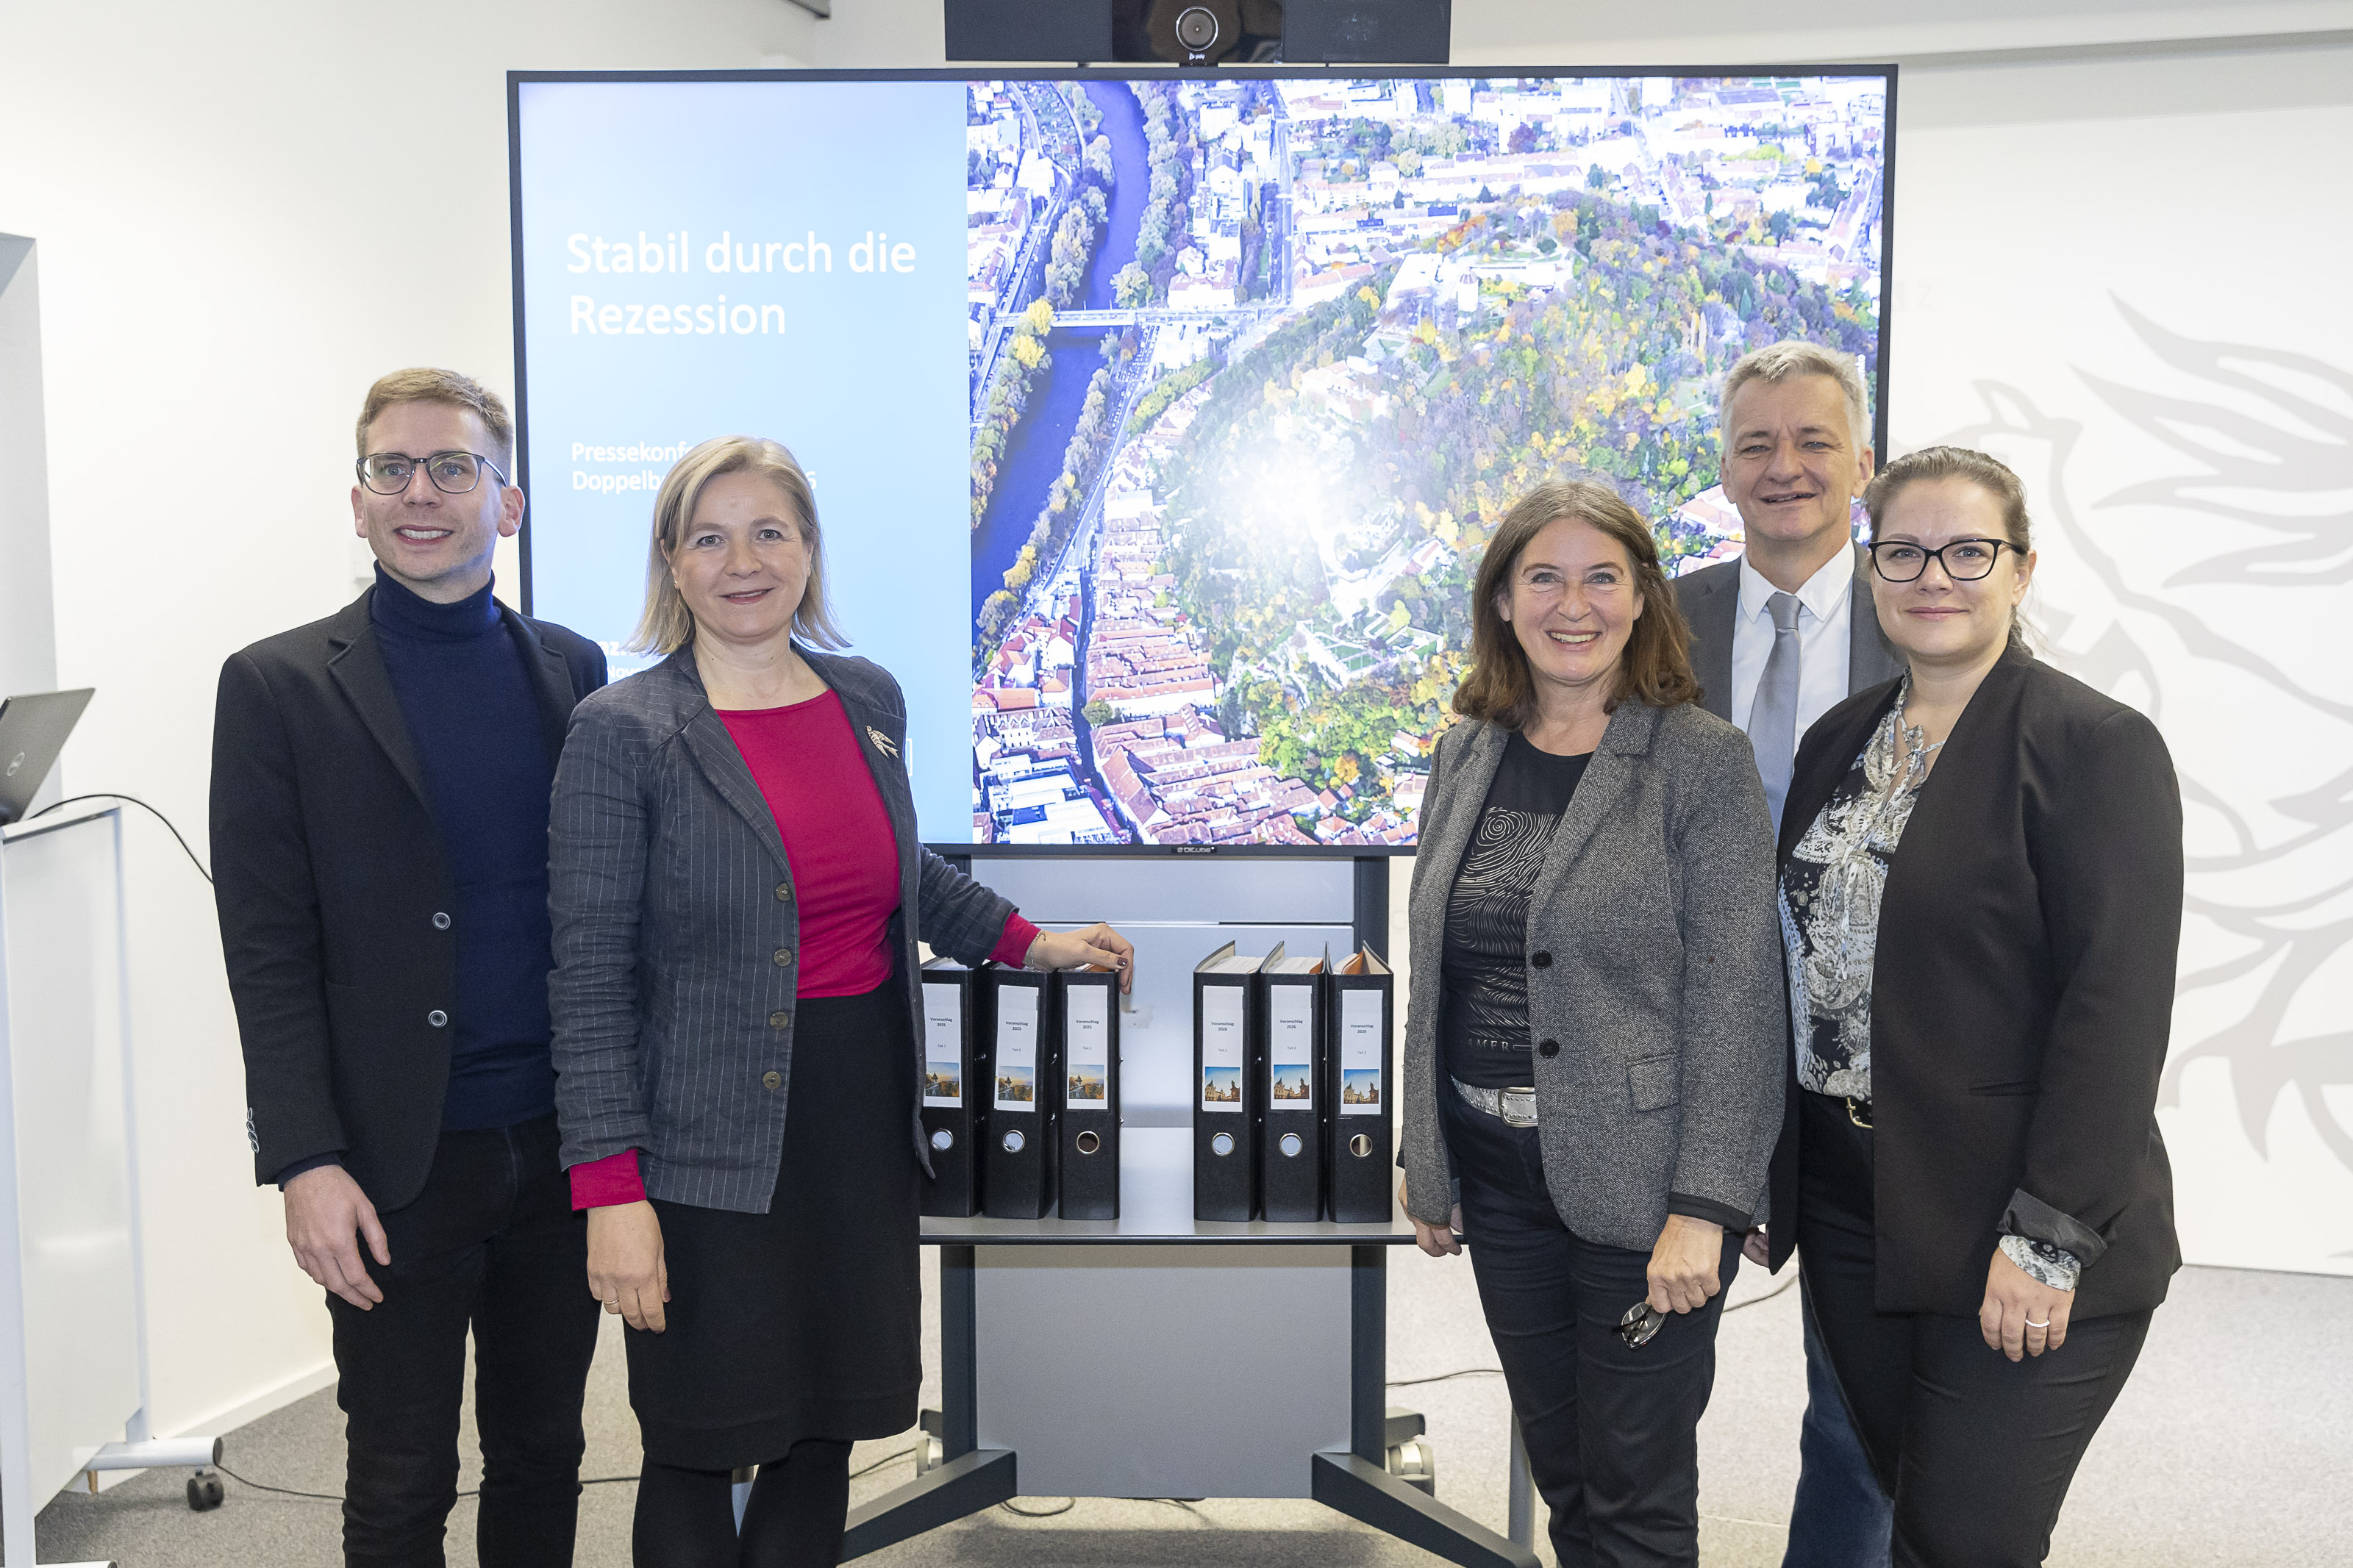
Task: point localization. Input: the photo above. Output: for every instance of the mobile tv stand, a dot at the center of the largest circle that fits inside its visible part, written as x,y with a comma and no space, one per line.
1155,1355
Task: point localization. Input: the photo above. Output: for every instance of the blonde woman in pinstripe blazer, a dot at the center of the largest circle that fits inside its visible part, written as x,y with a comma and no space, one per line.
737,889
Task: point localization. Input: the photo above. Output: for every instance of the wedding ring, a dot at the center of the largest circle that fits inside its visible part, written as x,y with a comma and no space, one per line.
2032,1324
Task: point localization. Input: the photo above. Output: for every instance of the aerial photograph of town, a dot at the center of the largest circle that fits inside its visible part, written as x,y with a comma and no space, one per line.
1257,365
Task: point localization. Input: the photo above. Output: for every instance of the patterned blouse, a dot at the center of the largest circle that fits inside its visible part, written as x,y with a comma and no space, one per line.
1830,893
1829,906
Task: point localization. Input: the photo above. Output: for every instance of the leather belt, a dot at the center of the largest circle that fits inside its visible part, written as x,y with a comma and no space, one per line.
1516,1107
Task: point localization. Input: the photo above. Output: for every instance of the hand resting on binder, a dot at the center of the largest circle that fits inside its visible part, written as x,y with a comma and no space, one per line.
1428,1237
1097,944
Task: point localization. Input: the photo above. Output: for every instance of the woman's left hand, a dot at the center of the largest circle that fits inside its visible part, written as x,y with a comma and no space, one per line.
1684,1265
2021,1315
1098,945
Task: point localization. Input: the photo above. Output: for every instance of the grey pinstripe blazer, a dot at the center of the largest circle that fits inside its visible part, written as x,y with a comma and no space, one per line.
1654,965
676,930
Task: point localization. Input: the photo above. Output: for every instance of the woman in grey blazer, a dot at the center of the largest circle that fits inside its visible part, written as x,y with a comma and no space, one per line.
738,891
1593,1072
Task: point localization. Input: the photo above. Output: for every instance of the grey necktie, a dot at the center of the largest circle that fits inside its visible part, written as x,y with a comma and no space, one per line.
1773,717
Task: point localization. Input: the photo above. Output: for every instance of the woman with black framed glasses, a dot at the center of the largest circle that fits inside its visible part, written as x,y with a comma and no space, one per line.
1981,904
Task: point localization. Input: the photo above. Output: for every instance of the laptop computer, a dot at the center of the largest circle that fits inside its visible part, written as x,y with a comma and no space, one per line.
32,730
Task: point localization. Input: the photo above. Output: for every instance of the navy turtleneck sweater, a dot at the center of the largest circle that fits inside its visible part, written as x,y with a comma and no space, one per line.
480,740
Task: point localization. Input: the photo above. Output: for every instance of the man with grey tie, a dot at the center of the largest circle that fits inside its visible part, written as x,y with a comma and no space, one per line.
1779,638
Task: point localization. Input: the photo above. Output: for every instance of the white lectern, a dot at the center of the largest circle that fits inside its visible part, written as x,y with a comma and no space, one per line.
73,1342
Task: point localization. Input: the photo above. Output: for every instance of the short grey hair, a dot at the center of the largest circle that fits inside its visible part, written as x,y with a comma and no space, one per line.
1777,363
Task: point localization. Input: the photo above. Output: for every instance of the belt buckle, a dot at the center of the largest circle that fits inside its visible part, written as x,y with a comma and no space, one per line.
1523,1100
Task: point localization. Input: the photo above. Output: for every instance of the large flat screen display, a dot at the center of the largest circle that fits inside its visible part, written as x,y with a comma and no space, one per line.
1157,422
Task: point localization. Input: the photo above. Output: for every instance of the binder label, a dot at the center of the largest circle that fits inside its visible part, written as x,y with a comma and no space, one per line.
1017,1048
1087,1047
1221,1048
1290,1047
1362,1093
943,1046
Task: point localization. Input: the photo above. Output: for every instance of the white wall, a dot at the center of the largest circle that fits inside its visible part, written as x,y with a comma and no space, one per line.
246,215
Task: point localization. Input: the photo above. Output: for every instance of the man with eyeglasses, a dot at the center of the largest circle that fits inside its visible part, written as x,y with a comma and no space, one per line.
1779,636
379,829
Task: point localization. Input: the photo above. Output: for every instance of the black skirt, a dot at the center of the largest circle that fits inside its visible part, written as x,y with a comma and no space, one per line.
804,1322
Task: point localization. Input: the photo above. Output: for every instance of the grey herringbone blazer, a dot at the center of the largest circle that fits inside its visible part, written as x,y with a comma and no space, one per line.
1655,965
677,930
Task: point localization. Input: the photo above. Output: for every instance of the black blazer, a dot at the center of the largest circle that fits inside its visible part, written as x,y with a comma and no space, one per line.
329,878
2021,996
1710,600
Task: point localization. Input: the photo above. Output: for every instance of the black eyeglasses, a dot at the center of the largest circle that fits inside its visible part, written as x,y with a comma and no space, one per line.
1899,561
453,473
1640,1325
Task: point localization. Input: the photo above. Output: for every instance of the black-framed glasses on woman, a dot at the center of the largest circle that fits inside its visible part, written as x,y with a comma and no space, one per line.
453,473
1963,560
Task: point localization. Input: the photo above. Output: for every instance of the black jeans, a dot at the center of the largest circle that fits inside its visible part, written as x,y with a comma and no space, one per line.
1611,1433
1977,1450
491,1246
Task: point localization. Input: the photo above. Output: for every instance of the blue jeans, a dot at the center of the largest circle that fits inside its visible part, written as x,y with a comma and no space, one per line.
1840,1518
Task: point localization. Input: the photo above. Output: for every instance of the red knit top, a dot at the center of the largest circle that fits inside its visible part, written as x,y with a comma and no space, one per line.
811,769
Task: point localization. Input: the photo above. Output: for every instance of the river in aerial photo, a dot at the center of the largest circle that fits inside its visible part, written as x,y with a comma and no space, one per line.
1033,455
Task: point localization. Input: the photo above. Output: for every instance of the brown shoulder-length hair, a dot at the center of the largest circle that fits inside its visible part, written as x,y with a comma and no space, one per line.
1656,668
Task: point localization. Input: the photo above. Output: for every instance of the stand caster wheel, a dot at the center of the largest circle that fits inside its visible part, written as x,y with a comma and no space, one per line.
204,1492
1415,1463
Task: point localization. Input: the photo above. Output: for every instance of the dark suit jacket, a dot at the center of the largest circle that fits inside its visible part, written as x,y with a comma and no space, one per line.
328,874
677,932
2022,996
1710,600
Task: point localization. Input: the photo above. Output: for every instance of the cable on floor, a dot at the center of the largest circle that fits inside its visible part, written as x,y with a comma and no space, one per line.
1498,1372
338,1497
901,1454
208,876
1446,1376
1068,1504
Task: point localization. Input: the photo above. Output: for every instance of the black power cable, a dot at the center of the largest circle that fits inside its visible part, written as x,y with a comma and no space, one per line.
476,1491
134,800
1498,1372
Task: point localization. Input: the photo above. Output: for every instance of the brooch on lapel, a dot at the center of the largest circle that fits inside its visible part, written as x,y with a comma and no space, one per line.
882,743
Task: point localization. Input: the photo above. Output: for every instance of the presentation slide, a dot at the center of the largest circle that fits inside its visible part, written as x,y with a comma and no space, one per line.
1157,424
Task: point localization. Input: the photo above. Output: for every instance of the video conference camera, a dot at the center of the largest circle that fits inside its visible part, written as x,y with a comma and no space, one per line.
1201,32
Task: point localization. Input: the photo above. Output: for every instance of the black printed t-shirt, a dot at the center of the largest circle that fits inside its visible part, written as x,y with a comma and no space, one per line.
1486,1021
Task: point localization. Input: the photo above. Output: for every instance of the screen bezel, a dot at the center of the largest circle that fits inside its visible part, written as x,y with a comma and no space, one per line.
981,71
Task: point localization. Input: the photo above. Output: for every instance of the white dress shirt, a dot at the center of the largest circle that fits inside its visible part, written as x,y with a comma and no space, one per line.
1825,651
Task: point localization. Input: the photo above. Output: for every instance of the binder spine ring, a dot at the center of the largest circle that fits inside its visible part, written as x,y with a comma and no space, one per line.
1223,1143
1360,1145
1088,1143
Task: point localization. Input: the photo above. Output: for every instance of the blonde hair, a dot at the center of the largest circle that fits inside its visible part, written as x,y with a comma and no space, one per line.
1656,666
1777,363
667,625
425,384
